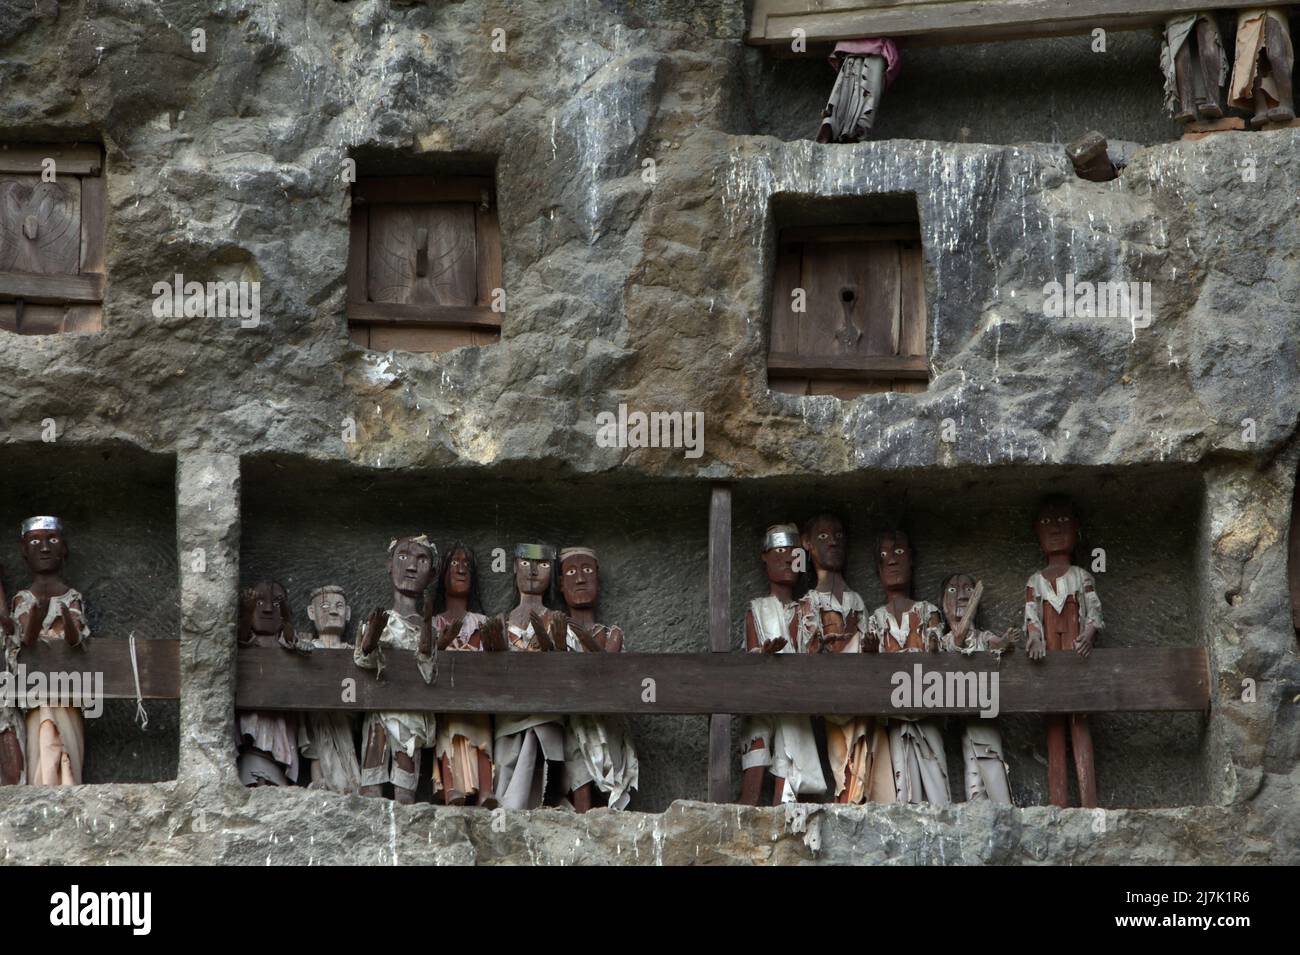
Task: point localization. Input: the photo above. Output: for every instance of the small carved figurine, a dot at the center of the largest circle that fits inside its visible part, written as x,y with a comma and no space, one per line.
267,741
1195,67
981,743
464,740
527,745
1063,613
833,619
50,610
598,751
1090,156
325,736
393,741
1261,73
864,69
907,625
784,746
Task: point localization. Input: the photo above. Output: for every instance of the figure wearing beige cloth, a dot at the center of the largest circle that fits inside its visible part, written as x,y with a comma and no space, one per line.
49,610
266,740
1195,67
13,729
598,751
1261,72
325,737
832,619
526,746
907,625
393,740
785,745
463,745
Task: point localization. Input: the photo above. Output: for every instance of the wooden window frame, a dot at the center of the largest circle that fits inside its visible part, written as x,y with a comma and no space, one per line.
82,292
368,192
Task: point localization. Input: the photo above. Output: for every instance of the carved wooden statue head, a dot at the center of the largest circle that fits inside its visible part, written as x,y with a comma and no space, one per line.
328,610
1057,526
458,577
579,577
44,546
269,603
955,597
894,561
824,539
780,549
534,569
410,565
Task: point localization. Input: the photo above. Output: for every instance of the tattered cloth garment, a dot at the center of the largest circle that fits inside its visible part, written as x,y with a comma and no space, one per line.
1250,44
920,766
11,718
326,739
864,69
267,742
908,632
1075,582
525,745
462,736
598,749
55,747
1178,31
987,773
404,732
789,749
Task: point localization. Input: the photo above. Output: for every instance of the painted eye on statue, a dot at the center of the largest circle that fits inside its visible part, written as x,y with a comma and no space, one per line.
545,565
899,551
823,536
1045,520
401,557
1063,520
570,572
952,590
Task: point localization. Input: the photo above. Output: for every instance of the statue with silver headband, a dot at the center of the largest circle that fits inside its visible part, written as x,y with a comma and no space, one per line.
325,737
464,740
394,740
598,752
526,745
981,743
781,745
49,610
266,740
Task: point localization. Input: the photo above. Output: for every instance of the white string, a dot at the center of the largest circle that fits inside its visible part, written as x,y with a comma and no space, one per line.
140,713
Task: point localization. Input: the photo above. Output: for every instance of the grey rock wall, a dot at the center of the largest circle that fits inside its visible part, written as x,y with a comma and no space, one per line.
226,164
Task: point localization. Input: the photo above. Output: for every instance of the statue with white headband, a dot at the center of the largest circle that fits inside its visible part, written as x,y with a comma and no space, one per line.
394,740
598,752
325,736
48,610
784,746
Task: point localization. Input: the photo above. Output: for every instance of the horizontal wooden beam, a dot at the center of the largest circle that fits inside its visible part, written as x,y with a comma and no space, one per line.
159,660
940,22
852,233
84,289
423,189
848,367
71,159
438,316
1151,679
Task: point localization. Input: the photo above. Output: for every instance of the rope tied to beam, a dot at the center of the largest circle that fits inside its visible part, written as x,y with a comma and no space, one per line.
141,714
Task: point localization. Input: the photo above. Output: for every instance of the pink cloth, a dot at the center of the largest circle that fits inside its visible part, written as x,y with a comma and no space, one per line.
880,47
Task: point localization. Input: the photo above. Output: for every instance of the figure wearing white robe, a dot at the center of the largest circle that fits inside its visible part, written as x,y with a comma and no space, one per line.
460,734
526,745
404,732
987,773
55,745
598,749
325,737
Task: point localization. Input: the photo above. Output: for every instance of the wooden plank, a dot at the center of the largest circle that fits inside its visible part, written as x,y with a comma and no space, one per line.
489,255
446,316
789,386
879,311
719,635
785,320
51,319
40,223
844,389
159,660
438,239
70,159
852,233
358,253
1112,680
938,22
54,289
829,269
849,366
913,310
360,335
407,189
426,338
93,224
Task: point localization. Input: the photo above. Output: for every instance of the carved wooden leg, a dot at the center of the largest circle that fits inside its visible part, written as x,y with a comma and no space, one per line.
751,780
1281,60
401,793
486,791
450,794
1186,86
1058,777
778,790
1081,742
582,797
376,746
11,759
1209,57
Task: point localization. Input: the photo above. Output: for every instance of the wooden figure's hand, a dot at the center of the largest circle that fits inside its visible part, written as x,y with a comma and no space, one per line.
448,631
870,643
1036,646
559,631
71,632
775,646
931,643
374,628
1083,646
614,641
587,638
539,631
492,635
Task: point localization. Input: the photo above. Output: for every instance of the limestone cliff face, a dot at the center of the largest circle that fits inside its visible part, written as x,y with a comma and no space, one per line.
1178,437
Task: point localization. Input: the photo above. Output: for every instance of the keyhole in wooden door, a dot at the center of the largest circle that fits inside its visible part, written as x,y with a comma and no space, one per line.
849,334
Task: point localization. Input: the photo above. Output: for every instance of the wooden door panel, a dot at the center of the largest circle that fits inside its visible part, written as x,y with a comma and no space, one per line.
882,300
830,271
449,261
40,225
913,300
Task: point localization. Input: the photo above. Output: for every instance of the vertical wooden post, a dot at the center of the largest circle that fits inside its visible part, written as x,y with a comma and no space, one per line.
720,634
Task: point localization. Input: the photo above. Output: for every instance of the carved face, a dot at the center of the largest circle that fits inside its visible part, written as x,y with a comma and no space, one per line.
44,551
826,543
580,580
956,598
1057,529
895,559
267,597
330,613
779,563
410,567
458,582
532,576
